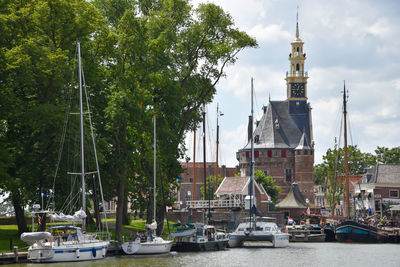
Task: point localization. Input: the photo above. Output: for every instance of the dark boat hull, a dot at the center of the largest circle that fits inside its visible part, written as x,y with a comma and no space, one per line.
352,231
200,246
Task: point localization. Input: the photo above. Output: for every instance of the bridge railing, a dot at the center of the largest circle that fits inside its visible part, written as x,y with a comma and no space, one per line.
203,204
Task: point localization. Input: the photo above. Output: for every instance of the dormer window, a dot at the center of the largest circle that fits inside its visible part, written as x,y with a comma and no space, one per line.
277,124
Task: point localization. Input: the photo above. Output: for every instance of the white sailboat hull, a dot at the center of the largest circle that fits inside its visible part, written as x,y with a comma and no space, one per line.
157,246
67,251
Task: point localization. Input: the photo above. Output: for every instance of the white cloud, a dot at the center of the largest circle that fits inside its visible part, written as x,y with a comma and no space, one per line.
269,33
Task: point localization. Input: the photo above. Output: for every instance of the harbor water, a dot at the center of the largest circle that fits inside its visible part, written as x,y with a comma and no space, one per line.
297,254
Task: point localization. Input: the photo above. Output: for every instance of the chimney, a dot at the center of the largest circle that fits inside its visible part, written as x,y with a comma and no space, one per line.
249,128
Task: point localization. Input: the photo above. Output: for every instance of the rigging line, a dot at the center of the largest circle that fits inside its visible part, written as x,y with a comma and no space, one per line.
210,135
351,135
257,107
94,149
62,140
70,197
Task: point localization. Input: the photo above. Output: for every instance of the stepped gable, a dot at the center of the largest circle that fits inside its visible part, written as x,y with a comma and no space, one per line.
281,129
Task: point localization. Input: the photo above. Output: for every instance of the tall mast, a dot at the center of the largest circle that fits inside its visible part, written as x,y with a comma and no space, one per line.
216,161
81,129
346,163
251,156
194,165
204,156
154,167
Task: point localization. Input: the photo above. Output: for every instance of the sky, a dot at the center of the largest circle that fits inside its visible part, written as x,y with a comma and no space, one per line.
353,41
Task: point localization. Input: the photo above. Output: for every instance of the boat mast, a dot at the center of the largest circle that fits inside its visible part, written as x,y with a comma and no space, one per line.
194,165
346,163
251,156
204,159
154,167
82,144
216,161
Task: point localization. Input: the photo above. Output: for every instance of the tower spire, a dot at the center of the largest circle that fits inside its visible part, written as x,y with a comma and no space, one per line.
297,23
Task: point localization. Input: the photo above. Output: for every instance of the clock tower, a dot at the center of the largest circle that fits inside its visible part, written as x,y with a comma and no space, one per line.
296,78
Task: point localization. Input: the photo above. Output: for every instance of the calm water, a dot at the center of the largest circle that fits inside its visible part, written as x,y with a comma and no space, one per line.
297,254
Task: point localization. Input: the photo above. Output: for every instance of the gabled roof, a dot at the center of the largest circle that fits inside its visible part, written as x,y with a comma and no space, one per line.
383,174
294,199
281,128
238,186
233,185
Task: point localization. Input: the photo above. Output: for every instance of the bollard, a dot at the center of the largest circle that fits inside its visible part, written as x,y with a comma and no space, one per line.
16,253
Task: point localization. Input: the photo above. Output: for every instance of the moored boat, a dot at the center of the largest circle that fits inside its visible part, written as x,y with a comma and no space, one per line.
258,231
204,238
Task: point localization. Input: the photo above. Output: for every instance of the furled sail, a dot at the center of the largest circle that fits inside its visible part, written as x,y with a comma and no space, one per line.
77,217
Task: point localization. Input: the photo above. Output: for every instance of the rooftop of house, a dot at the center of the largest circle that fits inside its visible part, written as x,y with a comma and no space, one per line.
383,174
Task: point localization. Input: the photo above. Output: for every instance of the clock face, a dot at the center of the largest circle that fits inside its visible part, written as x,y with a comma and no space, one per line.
297,89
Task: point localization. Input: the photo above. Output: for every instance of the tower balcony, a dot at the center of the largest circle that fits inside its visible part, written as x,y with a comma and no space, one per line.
297,74
297,54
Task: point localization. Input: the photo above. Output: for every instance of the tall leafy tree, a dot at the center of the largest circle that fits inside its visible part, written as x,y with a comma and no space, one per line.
331,171
167,59
38,42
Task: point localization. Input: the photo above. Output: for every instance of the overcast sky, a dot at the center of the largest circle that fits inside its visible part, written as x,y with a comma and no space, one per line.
355,41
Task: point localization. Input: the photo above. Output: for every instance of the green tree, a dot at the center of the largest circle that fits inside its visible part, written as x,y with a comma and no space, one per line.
388,155
38,43
269,185
359,162
166,59
331,171
210,187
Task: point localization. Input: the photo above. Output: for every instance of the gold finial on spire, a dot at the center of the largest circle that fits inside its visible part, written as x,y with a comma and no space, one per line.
297,23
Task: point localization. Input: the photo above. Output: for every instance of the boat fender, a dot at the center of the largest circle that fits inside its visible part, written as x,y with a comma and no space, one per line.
103,252
94,252
77,253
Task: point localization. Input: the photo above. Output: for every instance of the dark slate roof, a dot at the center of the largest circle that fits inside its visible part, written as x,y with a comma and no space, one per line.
283,125
383,174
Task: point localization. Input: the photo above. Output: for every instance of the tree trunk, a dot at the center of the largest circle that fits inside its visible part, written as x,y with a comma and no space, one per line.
125,216
149,214
160,220
120,207
19,212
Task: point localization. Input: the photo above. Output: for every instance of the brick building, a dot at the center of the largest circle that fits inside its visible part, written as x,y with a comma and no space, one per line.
185,192
379,188
283,138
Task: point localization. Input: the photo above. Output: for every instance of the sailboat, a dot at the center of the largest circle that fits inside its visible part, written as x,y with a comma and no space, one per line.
351,230
200,236
149,244
253,230
69,243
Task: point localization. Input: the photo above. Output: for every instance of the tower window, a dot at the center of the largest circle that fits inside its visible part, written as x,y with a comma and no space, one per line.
297,67
269,154
283,153
288,175
297,49
305,152
266,173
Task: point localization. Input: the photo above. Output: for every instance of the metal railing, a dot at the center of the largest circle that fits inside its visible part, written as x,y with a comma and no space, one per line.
297,74
203,204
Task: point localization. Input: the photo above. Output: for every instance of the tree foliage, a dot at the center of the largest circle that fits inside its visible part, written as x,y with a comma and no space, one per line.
388,155
210,187
269,185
